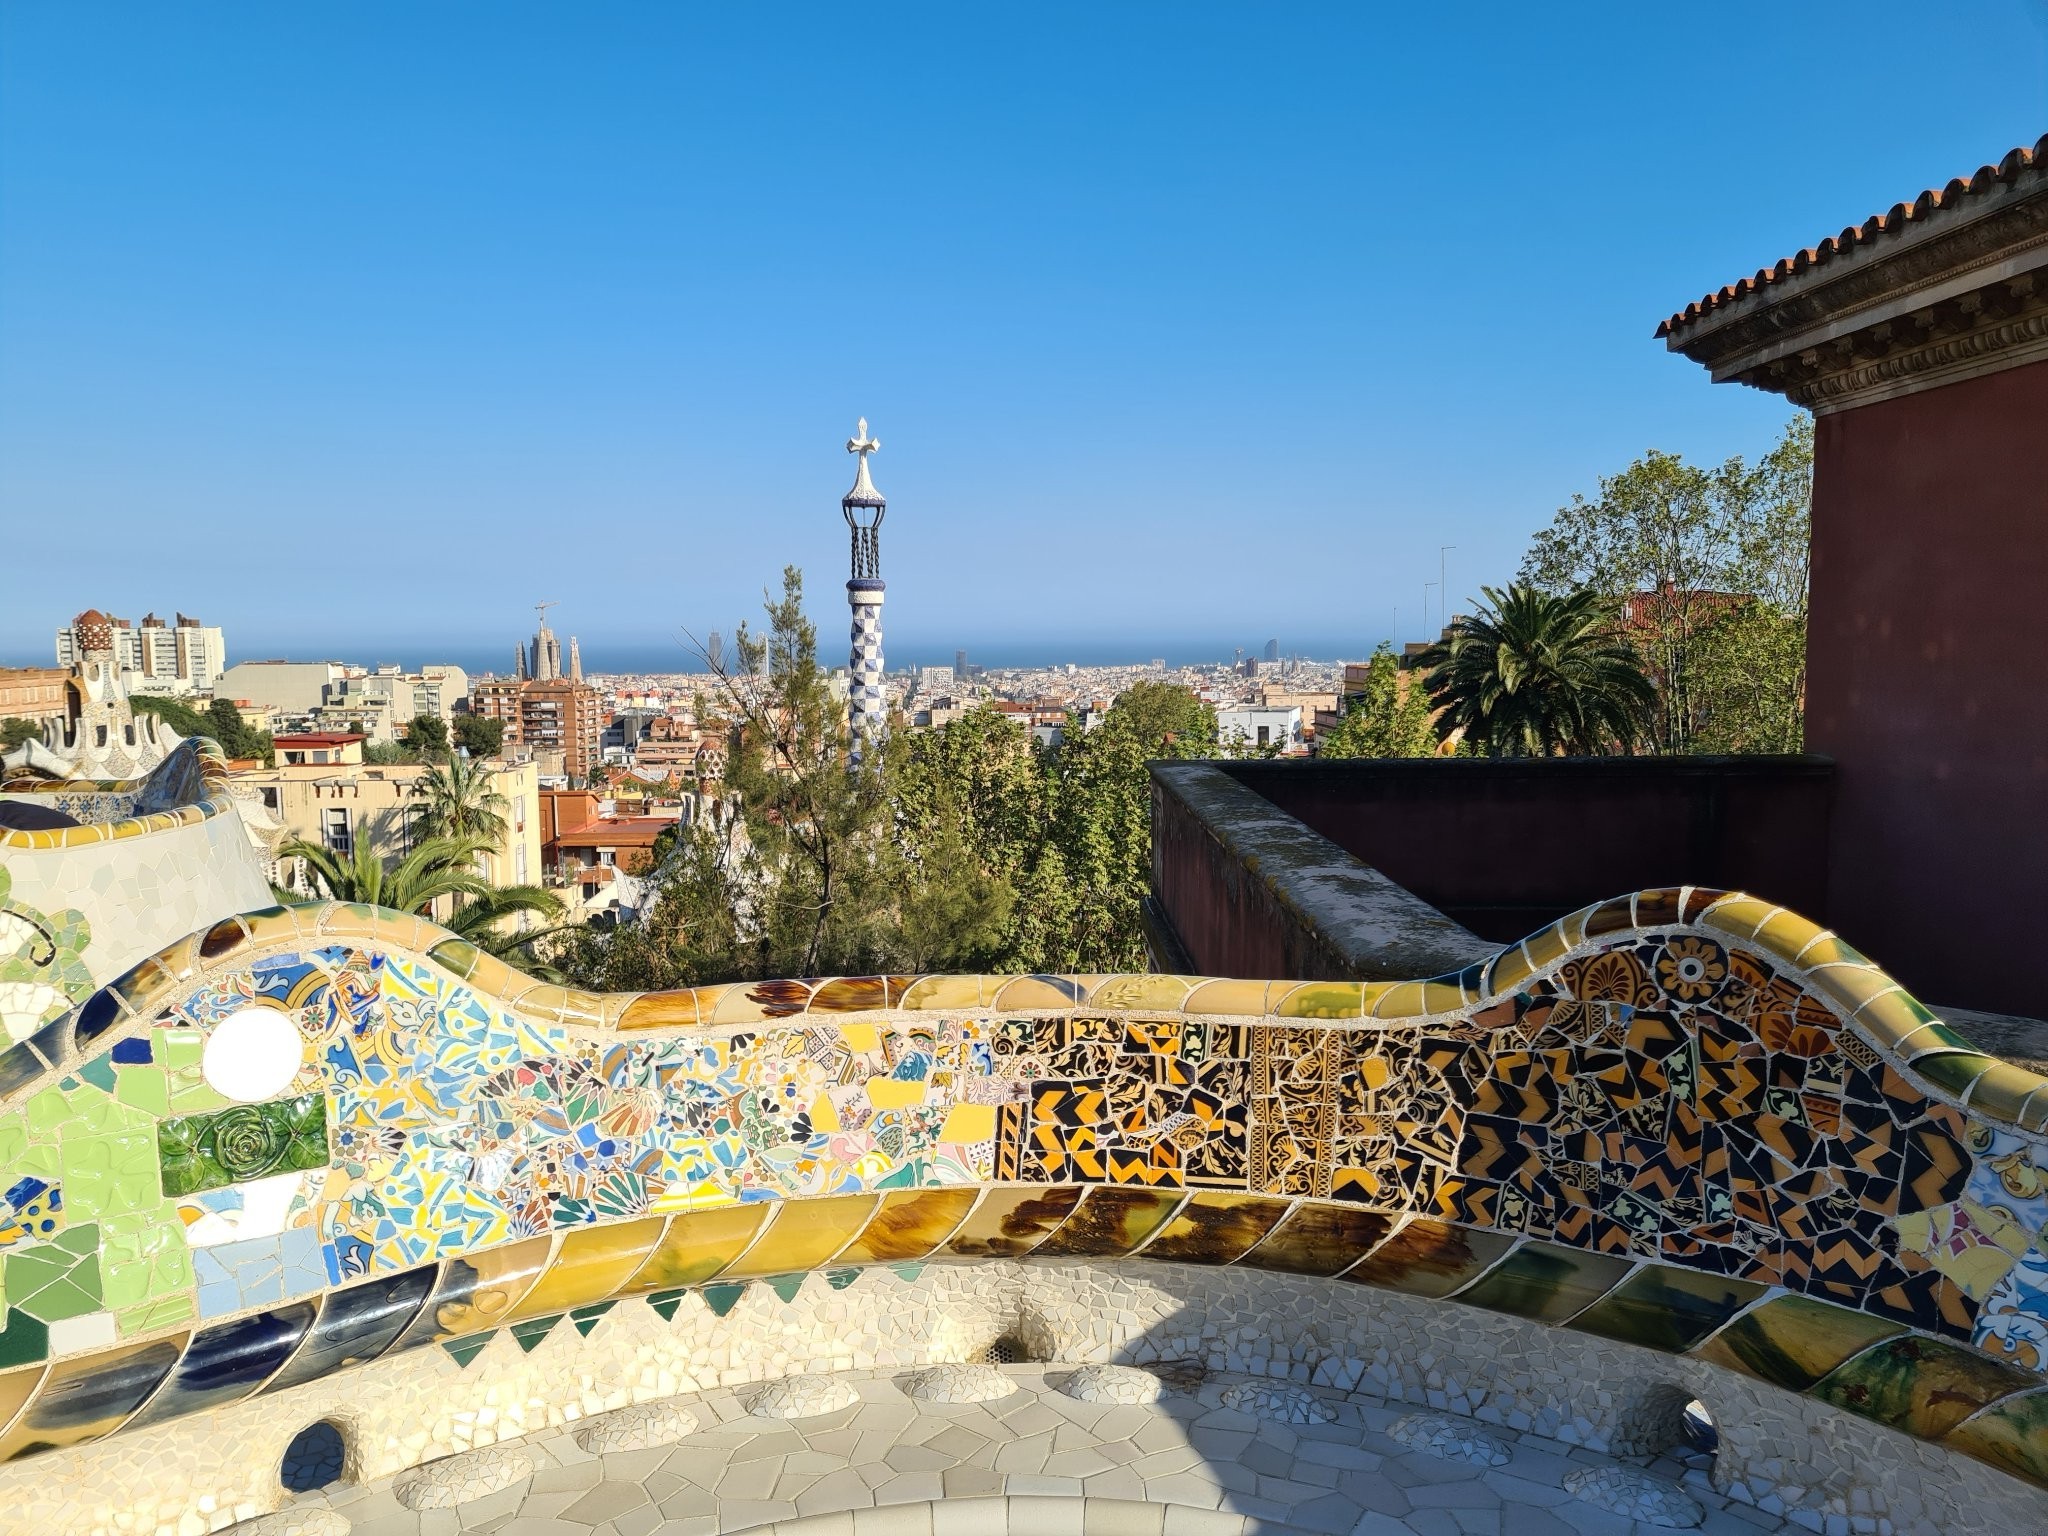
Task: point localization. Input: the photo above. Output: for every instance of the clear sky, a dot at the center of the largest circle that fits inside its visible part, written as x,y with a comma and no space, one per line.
358,328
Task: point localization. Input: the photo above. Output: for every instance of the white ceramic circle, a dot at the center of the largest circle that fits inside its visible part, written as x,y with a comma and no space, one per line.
253,1054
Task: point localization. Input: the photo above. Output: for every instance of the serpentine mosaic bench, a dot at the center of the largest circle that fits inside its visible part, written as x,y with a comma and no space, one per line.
312,1137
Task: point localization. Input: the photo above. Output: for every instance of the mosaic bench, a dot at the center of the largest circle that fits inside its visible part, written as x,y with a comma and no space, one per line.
313,1137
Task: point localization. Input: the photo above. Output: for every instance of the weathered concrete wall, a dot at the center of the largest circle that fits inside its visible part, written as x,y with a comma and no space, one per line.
1251,891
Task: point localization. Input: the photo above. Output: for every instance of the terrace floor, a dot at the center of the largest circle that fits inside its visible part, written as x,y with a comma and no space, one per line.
739,1470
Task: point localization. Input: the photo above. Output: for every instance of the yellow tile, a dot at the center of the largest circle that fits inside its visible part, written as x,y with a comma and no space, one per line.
804,1235
1442,997
969,1122
1545,947
1228,997
1892,1017
1826,948
1849,987
860,1038
1009,1221
935,993
894,1093
697,1245
1322,1000
1034,992
1510,969
1166,993
736,1007
1571,928
1404,1000
1738,916
591,1264
2002,1090
910,1224
661,1010
1786,934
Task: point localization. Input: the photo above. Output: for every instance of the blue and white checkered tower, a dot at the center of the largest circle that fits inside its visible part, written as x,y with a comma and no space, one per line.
865,508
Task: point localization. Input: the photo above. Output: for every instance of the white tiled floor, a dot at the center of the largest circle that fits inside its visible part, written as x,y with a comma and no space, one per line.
738,1471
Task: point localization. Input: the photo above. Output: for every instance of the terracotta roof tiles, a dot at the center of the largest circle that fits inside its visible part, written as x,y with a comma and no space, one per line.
1876,227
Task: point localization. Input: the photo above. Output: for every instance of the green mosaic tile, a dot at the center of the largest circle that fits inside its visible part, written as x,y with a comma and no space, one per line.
145,1088
143,1255
109,1174
529,1334
13,1142
587,1318
1922,1386
163,1312
45,1112
99,1071
840,1279
786,1286
179,1047
2012,1435
201,1152
24,1340
462,1351
100,1114
666,1302
58,1279
1665,1308
721,1299
191,1094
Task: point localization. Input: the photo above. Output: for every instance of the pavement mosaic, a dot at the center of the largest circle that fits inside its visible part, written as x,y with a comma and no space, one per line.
1346,1477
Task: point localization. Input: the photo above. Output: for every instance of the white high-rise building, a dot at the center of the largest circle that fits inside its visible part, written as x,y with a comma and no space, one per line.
154,657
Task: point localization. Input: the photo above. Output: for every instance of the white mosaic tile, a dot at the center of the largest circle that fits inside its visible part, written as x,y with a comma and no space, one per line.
1113,1384
1451,1438
1632,1492
960,1384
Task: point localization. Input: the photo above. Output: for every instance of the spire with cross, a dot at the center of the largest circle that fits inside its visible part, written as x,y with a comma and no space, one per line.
865,507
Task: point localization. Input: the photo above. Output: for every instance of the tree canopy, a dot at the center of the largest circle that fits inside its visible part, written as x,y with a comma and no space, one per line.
1389,718
1713,565
1533,674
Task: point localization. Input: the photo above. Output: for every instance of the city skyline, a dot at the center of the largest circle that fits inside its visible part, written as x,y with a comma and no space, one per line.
1180,301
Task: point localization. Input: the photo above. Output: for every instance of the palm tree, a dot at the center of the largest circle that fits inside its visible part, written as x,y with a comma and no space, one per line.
478,920
438,867
1533,674
461,802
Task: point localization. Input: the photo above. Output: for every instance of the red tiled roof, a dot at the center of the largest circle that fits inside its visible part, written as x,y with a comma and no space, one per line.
619,832
316,739
1872,229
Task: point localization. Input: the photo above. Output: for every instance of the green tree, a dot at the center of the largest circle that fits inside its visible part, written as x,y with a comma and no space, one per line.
435,868
462,802
479,735
1389,718
178,715
1688,549
427,736
1101,822
1532,674
14,731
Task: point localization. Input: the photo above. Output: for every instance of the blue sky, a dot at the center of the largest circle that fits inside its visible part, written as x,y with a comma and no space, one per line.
358,328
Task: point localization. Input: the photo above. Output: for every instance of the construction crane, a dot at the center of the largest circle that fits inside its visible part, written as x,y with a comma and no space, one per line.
542,608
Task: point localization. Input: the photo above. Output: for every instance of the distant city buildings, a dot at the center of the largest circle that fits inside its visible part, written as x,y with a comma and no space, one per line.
559,721
153,657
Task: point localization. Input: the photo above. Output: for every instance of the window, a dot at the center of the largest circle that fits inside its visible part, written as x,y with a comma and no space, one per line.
519,865
1265,735
335,831
270,799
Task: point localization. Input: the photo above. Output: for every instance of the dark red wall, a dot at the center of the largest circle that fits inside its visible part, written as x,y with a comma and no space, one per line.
1928,683
1505,846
